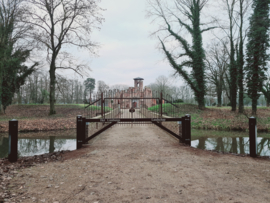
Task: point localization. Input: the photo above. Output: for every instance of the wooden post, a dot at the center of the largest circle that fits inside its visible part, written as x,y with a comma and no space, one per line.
79,132
86,131
101,102
252,137
180,123
187,129
183,130
83,130
13,140
160,104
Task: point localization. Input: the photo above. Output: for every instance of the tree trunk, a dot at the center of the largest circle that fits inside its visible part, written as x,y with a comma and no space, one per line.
201,103
1,81
254,105
219,93
52,87
267,102
241,64
19,96
233,69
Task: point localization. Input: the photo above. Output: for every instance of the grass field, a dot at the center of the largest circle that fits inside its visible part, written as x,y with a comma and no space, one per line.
218,118
33,117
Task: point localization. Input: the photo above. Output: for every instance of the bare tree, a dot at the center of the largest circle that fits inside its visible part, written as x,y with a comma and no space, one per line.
58,24
217,65
119,87
102,86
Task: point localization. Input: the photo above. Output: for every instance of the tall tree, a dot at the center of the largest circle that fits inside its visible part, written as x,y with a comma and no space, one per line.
240,61
58,24
232,67
13,53
217,65
102,86
257,45
89,84
193,55
244,5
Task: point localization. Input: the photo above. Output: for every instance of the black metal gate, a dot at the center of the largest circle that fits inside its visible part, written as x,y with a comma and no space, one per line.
130,108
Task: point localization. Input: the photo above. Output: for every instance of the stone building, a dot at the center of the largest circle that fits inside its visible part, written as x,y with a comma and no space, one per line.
134,96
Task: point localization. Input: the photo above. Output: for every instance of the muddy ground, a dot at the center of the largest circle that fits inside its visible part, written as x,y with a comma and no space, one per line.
143,164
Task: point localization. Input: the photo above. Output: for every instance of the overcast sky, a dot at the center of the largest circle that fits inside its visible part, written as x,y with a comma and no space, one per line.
126,51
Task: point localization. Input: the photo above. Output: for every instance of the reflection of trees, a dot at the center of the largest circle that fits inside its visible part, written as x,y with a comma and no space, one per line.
229,144
33,146
234,146
201,144
4,147
52,148
219,146
241,145
264,144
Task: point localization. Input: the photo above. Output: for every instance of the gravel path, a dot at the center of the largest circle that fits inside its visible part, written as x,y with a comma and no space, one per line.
145,164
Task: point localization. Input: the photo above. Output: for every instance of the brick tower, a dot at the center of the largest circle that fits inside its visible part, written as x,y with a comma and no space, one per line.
138,83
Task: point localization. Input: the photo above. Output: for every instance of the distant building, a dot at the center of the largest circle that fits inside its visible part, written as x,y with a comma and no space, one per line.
137,96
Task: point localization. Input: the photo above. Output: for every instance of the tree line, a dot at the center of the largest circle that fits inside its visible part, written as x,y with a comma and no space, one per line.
36,87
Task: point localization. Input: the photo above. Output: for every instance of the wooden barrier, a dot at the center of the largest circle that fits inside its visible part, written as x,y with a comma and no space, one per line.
13,140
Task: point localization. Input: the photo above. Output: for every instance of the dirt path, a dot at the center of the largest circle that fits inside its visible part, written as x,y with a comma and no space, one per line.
145,164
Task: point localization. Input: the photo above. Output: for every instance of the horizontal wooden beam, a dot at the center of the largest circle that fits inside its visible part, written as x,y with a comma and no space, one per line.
167,130
133,120
98,132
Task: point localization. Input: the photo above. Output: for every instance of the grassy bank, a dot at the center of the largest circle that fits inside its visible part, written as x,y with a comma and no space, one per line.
215,118
34,117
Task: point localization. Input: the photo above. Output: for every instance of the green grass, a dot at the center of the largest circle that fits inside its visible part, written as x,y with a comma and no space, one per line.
173,111
217,118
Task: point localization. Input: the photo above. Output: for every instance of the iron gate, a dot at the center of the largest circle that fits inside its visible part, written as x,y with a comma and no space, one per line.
132,108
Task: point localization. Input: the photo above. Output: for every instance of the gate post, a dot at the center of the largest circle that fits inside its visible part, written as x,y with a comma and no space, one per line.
183,130
188,129
101,102
252,137
13,140
79,131
160,104
83,130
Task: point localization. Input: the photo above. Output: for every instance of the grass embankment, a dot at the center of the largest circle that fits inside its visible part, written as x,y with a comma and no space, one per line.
33,117
218,118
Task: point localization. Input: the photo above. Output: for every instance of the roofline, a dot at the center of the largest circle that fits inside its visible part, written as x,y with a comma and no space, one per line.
138,78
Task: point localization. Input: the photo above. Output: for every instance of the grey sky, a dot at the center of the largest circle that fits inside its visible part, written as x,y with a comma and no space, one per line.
126,49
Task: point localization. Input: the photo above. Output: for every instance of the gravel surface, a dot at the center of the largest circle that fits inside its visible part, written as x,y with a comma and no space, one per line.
142,164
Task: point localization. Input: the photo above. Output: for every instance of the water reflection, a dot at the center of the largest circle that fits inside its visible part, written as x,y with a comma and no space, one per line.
30,146
237,145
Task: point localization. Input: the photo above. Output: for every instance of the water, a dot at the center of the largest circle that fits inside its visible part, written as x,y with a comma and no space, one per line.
30,144
233,142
